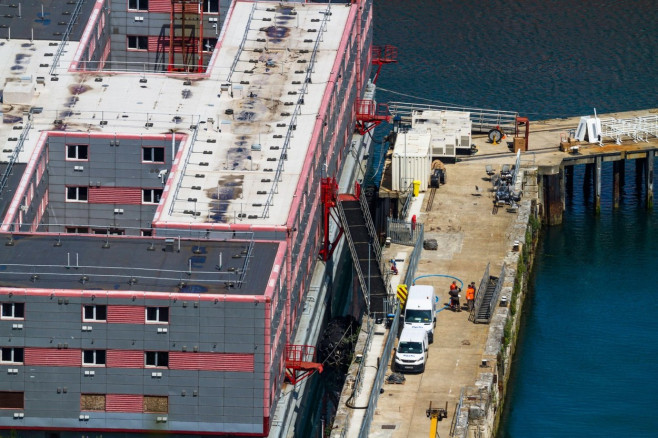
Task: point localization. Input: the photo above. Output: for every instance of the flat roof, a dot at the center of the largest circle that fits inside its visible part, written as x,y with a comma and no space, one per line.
86,262
251,95
43,19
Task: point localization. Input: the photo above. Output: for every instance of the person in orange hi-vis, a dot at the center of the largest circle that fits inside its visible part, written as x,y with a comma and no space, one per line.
470,295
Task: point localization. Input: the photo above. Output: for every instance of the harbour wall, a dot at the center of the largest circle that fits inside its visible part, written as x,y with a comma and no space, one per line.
481,404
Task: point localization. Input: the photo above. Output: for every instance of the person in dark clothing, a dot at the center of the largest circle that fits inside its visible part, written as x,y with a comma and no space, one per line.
454,298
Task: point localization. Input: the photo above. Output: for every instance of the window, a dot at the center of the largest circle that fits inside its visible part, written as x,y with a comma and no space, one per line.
13,310
151,196
153,155
12,400
12,355
92,402
157,314
156,404
210,5
77,152
76,194
209,44
156,358
138,42
93,357
140,5
146,233
94,313
77,230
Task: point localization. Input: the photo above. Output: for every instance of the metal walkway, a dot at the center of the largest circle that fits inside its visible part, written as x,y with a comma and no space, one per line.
365,250
483,119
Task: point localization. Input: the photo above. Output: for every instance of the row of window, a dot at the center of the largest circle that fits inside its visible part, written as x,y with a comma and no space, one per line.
141,42
81,194
80,152
92,312
211,6
88,402
105,231
16,356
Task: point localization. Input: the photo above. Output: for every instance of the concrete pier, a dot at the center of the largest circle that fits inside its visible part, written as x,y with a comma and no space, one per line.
469,364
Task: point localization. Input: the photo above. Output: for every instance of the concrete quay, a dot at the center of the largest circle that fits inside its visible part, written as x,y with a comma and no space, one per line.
469,364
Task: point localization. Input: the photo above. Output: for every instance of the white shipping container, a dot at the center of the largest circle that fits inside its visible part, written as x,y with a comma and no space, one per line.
412,160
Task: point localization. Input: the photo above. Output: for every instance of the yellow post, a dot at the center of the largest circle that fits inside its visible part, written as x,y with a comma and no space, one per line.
434,422
416,187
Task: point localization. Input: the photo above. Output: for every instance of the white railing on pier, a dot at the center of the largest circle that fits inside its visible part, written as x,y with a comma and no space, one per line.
483,119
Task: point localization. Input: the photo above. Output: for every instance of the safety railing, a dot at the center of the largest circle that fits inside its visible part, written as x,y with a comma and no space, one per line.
182,174
402,232
379,377
241,47
407,202
14,156
292,126
67,34
371,226
358,378
482,291
482,119
355,255
412,265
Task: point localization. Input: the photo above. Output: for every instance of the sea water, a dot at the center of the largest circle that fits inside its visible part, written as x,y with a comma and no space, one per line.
587,356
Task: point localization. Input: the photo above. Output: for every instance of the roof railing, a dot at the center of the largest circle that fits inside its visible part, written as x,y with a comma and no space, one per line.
14,156
67,34
293,120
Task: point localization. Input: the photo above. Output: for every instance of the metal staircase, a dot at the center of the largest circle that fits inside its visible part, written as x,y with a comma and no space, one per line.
365,250
487,297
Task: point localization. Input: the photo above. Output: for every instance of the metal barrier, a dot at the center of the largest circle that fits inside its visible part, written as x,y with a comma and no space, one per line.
293,120
482,290
182,174
67,34
241,47
379,378
412,265
483,119
14,156
402,232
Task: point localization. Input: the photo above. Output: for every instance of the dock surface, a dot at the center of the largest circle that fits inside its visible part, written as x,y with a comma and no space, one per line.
469,236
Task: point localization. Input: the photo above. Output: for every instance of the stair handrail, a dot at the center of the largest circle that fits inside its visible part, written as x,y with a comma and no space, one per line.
496,294
370,226
479,296
355,255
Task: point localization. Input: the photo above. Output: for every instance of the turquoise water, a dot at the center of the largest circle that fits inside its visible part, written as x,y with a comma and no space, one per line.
586,358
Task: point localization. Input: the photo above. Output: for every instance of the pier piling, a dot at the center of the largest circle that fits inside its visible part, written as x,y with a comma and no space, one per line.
597,184
648,175
553,198
617,181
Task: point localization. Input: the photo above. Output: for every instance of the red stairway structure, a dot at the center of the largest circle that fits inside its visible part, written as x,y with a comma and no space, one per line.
300,363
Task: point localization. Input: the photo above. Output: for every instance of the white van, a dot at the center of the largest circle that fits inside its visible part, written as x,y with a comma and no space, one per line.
411,354
420,310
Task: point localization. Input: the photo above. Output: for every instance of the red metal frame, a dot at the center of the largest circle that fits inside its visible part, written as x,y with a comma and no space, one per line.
383,55
370,114
329,194
300,363
183,39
